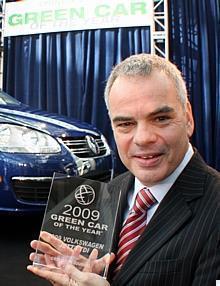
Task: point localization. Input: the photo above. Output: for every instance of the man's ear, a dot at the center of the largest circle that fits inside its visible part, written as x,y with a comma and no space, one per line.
189,118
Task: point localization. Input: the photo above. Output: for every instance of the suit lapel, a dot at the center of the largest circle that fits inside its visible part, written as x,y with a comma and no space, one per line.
126,183
173,212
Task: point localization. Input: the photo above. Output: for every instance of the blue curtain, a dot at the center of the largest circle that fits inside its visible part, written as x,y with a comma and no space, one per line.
195,48
66,72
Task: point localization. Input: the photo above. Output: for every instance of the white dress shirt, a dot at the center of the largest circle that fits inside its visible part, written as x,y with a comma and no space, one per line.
159,190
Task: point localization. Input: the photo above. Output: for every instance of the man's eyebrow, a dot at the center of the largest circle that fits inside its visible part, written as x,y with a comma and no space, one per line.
121,119
164,109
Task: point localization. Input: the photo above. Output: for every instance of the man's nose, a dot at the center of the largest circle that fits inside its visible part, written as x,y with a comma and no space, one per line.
144,134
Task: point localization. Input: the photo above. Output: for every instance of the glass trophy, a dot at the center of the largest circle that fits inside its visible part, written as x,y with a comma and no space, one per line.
80,212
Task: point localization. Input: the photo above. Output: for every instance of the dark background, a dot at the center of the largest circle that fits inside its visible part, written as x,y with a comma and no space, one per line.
16,234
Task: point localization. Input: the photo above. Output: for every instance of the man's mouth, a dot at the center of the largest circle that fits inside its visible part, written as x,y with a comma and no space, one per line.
148,160
150,156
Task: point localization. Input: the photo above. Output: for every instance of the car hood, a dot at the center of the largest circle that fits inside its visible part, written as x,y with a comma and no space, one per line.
54,124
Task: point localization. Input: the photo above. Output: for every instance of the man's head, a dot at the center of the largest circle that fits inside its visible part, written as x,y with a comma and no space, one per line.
150,114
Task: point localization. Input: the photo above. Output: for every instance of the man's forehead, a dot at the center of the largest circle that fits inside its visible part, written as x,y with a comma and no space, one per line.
126,117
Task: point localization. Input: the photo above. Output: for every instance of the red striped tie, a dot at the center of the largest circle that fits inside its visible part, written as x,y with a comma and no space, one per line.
134,225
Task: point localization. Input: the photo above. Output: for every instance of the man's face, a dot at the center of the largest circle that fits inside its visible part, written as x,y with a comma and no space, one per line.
151,127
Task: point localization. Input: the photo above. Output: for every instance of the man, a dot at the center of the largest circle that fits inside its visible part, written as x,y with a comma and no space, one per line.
152,123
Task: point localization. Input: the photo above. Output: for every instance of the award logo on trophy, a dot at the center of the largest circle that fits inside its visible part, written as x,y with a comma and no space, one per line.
79,212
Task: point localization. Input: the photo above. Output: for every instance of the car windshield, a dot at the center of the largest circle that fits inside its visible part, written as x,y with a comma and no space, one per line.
6,99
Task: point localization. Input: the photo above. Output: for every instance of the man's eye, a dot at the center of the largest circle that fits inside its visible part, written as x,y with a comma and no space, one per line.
162,118
124,125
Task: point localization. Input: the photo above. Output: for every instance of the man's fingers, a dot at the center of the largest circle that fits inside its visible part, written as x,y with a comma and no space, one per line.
59,278
109,258
70,275
48,255
51,245
85,278
89,262
39,258
44,247
102,262
56,243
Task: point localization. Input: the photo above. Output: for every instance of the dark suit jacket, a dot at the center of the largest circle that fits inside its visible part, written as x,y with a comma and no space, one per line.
181,244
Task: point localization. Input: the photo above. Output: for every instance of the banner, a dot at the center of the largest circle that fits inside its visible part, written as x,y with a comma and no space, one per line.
46,16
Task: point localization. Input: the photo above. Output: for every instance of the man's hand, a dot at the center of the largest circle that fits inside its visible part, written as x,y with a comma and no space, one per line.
63,266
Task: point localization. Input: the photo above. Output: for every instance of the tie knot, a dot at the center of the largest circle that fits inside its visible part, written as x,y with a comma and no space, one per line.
144,200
